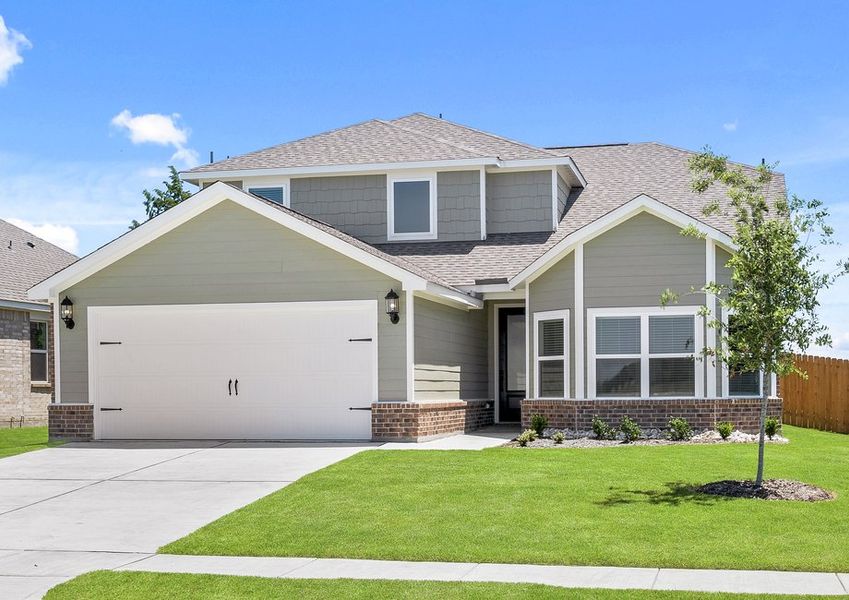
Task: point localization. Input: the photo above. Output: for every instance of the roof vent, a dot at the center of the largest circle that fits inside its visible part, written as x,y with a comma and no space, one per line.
30,244
491,281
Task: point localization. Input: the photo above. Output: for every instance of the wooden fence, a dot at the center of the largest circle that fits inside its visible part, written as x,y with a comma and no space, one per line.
821,401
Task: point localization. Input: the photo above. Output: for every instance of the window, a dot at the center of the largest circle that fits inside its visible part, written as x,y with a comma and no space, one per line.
550,353
412,209
275,194
741,383
644,353
38,351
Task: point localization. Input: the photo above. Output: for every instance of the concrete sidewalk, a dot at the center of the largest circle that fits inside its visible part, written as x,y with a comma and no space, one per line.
700,580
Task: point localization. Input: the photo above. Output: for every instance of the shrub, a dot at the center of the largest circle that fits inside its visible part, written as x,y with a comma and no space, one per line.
602,430
558,437
772,425
725,429
538,424
629,429
679,429
528,435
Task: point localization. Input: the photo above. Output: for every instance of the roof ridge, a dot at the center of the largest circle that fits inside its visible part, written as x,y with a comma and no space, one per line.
433,137
482,132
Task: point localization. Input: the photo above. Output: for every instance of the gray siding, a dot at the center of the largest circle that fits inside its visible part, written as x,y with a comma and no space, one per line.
518,202
633,263
231,254
354,204
554,290
458,205
450,352
723,276
237,184
563,190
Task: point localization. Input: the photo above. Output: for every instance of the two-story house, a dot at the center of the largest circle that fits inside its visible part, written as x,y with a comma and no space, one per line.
402,279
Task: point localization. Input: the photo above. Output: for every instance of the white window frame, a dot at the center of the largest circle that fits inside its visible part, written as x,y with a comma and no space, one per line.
726,372
45,352
284,184
551,315
390,207
644,355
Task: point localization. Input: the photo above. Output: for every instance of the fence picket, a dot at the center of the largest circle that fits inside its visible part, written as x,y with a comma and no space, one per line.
821,401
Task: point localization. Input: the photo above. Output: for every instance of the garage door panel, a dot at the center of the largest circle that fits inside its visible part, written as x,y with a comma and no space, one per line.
298,374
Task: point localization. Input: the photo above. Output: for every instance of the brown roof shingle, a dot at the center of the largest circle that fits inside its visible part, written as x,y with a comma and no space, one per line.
26,259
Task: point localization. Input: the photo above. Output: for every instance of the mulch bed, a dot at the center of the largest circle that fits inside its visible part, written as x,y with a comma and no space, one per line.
772,489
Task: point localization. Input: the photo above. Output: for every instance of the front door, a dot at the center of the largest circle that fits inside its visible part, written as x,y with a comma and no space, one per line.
511,363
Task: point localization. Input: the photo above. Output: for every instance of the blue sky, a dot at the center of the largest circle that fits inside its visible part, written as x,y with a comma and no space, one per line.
752,80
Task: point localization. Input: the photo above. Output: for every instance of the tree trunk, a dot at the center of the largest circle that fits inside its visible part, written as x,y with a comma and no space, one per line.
762,430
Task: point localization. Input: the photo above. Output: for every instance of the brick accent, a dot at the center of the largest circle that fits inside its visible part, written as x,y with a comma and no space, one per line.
18,397
71,422
702,413
419,421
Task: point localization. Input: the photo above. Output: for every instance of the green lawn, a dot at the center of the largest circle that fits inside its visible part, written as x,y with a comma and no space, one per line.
22,439
162,586
629,506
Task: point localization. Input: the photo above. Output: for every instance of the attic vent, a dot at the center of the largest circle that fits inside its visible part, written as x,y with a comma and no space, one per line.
30,244
493,280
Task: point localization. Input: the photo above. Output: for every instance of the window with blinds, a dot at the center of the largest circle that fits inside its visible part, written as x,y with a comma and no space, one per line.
275,194
742,383
644,354
550,353
617,342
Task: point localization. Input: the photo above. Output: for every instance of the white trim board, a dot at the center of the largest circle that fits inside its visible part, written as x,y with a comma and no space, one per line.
203,201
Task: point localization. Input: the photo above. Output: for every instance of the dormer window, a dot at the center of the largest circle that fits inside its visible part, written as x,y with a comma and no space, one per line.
274,193
412,208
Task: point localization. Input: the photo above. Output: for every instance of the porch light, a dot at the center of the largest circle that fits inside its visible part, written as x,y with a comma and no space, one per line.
66,311
392,306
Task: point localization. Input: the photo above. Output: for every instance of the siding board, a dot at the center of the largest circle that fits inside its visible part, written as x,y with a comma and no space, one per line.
518,202
450,352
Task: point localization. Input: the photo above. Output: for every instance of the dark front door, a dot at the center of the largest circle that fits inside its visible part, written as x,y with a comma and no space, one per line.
511,363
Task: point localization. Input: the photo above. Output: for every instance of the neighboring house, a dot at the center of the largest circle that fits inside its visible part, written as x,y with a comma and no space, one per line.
26,332
527,280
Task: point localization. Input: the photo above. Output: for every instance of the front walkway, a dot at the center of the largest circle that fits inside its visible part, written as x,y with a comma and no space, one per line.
754,582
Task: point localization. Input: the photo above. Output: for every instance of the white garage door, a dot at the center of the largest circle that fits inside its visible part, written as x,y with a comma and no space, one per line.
234,371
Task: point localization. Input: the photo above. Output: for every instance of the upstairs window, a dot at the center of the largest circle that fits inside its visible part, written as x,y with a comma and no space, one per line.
38,351
275,194
412,209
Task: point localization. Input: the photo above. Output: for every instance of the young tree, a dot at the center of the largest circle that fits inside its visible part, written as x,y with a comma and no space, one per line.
159,201
775,275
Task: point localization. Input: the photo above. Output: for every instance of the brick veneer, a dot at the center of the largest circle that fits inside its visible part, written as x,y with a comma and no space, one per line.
702,413
19,398
419,421
70,422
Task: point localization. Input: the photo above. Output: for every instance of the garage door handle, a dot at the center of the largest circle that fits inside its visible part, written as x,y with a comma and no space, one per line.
237,387
230,388
109,343
359,408
359,339
104,408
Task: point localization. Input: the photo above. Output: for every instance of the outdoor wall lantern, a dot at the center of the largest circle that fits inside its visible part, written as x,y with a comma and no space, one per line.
392,306
66,311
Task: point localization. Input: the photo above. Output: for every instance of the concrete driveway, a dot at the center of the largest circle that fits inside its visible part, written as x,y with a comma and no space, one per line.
80,507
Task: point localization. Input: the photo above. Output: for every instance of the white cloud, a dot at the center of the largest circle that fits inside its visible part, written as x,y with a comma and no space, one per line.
60,235
155,128
11,44
730,126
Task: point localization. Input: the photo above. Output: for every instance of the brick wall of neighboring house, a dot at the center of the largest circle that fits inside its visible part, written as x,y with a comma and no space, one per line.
701,413
419,421
71,422
18,396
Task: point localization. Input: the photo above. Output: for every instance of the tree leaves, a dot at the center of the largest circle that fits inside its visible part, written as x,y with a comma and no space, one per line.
158,201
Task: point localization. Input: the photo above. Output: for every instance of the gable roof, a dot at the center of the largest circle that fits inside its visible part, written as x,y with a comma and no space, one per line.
414,138
411,275
616,175
26,259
